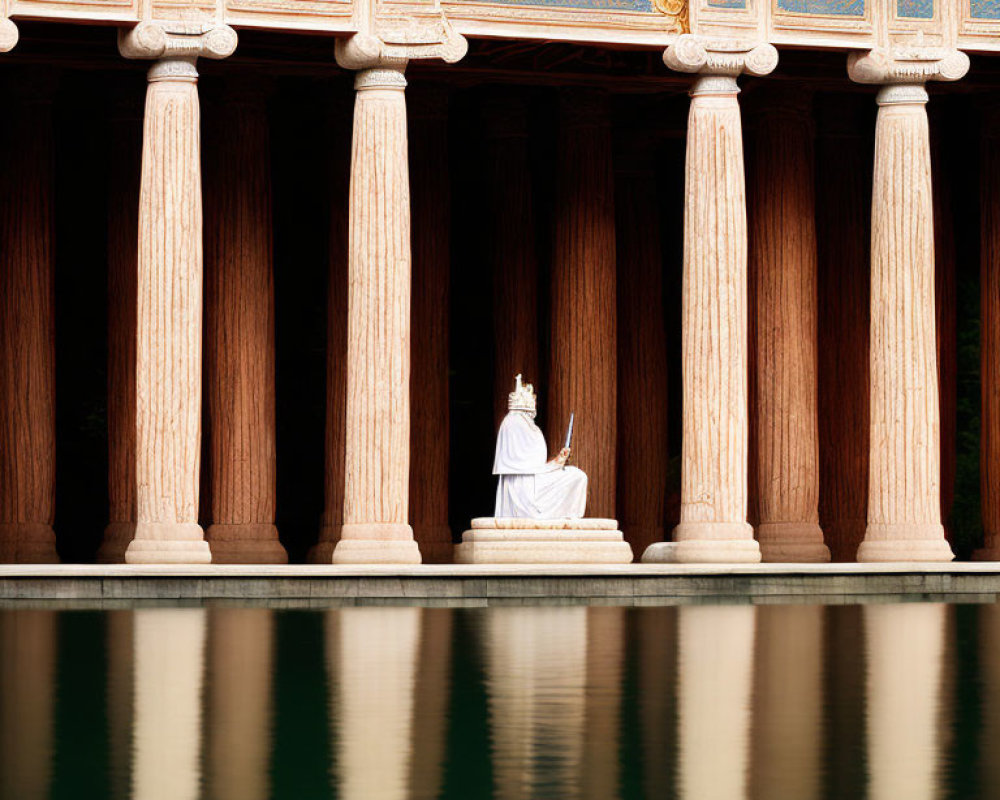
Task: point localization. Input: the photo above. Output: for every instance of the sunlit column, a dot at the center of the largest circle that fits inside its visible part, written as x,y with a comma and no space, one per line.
783,269
715,658
536,686
904,503
27,699
169,296
429,432
168,668
239,703
372,656
713,525
27,325
904,643
788,703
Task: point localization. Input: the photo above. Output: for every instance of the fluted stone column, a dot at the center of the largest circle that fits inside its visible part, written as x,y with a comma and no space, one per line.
239,703
905,645
989,289
783,269
713,526
239,347
642,346
336,342
843,227
511,245
27,327
123,227
429,433
583,355
377,443
169,291
904,506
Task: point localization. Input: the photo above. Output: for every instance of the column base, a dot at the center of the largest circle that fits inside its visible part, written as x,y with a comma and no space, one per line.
27,543
322,551
245,544
640,537
905,542
117,537
168,543
706,543
434,541
792,541
376,543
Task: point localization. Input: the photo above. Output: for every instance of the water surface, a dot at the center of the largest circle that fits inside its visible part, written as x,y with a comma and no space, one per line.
886,700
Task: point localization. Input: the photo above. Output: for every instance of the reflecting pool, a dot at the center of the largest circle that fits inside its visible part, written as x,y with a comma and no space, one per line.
884,701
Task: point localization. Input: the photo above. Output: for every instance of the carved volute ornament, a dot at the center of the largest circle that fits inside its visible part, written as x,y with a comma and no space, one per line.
904,510
713,525
8,35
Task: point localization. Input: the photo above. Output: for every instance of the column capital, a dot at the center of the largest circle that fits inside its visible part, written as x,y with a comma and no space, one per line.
391,46
724,57
907,65
176,41
8,35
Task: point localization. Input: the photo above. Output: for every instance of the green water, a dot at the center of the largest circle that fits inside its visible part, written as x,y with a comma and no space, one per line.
897,701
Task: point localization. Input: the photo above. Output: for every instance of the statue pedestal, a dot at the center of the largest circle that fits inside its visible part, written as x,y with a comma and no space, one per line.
513,540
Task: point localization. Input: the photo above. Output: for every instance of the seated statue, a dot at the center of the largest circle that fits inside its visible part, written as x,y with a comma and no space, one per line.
529,486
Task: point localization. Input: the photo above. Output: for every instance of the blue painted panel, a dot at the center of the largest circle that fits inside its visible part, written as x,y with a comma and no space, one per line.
915,9
835,8
985,9
596,5
727,3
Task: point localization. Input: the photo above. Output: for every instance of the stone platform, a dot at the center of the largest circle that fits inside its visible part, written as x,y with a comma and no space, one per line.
512,540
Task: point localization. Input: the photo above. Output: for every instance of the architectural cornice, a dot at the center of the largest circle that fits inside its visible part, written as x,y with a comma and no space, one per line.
718,56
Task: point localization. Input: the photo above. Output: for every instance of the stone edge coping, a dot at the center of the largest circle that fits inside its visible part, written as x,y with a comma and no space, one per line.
487,570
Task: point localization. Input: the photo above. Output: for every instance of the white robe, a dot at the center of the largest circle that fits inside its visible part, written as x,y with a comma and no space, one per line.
528,486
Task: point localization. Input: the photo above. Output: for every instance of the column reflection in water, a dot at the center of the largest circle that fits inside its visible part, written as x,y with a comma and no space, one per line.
239,703
989,660
788,703
27,672
657,702
714,679
430,714
372,658
904,645
535,663
605,670
120,633
169,646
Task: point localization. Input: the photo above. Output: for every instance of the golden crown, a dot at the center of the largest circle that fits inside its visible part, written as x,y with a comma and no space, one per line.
523,396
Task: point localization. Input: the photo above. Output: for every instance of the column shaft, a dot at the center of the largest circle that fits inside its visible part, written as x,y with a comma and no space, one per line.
713,524
123,226
377,444
843,227
511,247
904,510
642,350
583,366
27,334
783,269
239,309
989,292
429,432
